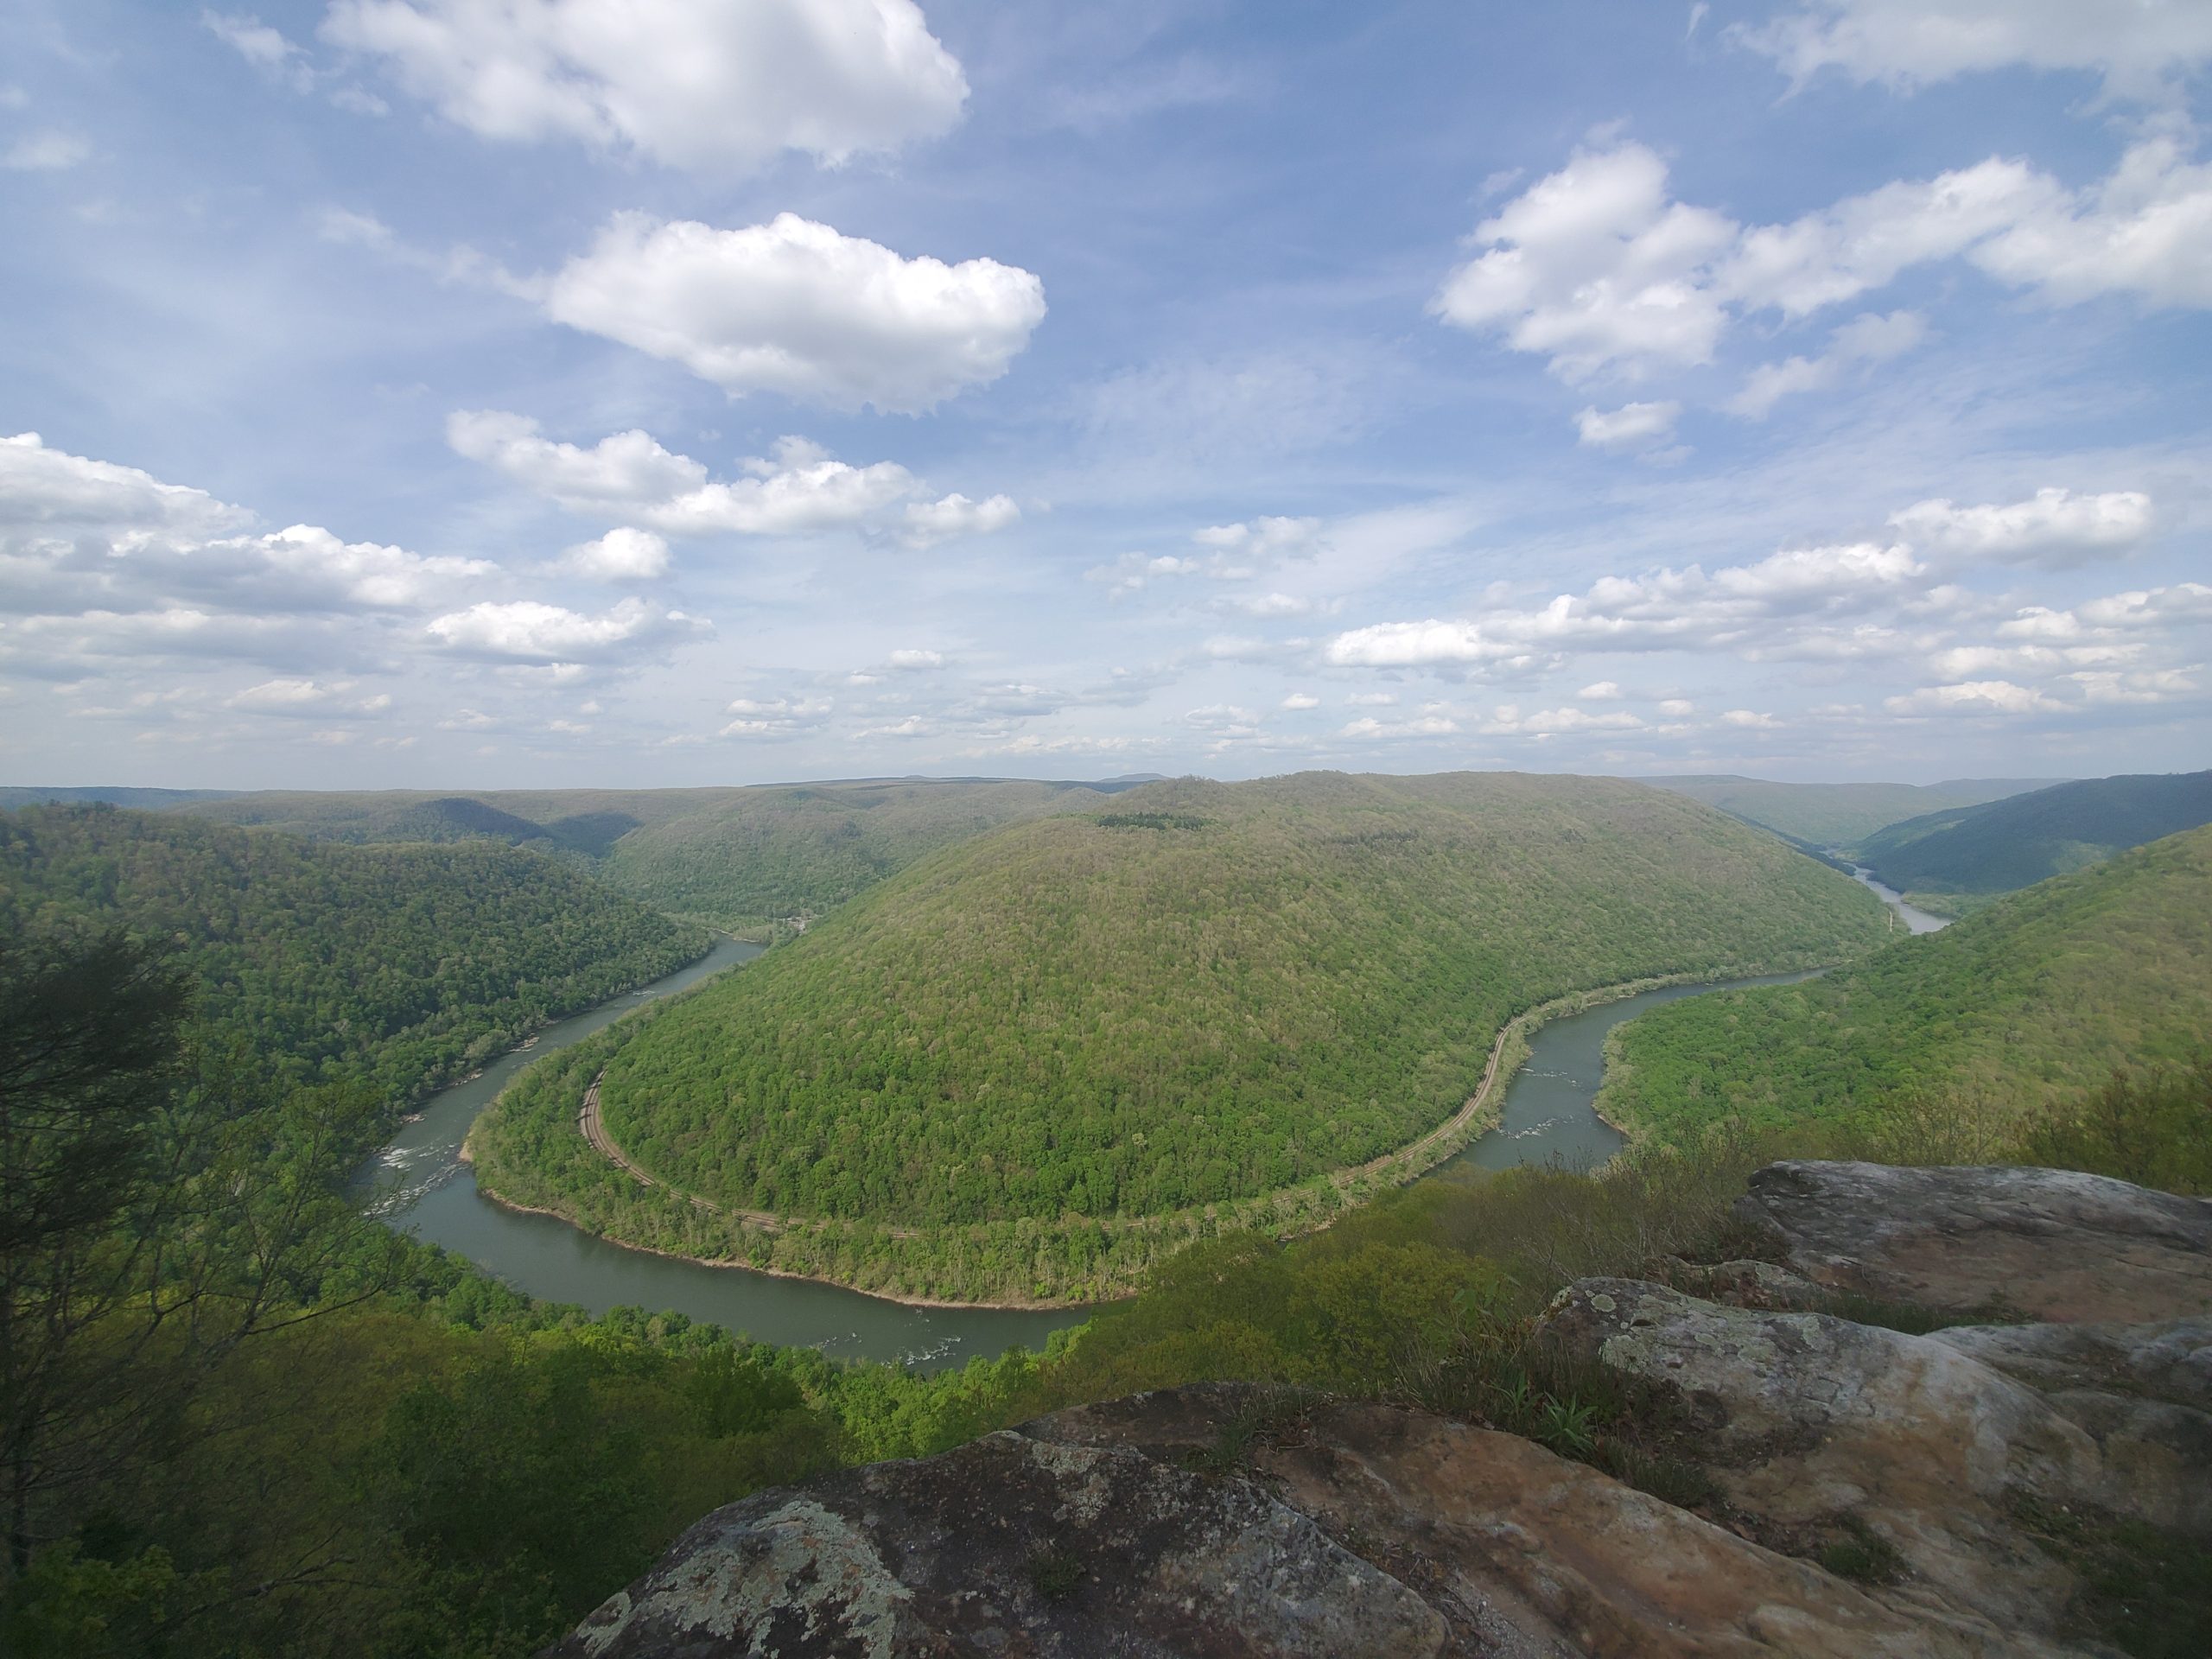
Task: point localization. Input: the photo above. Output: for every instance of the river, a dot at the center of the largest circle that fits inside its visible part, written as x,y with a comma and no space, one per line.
1547,1114
1913,917
436,1199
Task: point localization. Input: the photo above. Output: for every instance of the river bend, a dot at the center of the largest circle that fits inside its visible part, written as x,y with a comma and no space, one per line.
1545,1114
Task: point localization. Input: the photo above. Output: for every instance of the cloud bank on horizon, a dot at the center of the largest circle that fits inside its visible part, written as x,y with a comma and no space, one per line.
632,392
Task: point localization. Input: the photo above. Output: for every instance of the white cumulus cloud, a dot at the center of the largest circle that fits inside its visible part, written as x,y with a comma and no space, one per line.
624,469
796,308
1419,726
2053,529
1263,535
2145,231
1133,572
1507,719
798,488
929,522
312,567
529,631
1772,605
712,87
1596,267
43,487
624,554
78,534
1973,697
776,717
1632,426
286,694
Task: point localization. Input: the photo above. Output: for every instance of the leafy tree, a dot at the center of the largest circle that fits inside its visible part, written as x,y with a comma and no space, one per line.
161,1207
406,966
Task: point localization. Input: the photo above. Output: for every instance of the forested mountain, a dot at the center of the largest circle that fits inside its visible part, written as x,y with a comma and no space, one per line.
2040,995
406,965
1202,993
144,800
738,859
1836,814
1965,854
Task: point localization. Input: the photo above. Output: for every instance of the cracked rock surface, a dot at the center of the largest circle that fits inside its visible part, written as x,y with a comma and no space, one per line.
1351,1528
2045,1244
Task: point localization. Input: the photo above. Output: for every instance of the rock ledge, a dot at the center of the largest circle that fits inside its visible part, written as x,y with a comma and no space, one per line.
1351,1530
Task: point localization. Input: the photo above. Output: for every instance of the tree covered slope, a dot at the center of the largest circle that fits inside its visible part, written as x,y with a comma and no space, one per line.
2016,843
1837,815
1197,994
405,964
2037,997
739,859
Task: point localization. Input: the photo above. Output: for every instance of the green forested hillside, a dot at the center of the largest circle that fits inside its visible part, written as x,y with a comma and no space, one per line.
144,800
1971,852
1837,815
1202,992
806,849
738,859
2039,996
406,965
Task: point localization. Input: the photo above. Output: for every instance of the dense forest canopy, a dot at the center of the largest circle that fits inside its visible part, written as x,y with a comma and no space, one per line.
740,859
2037,997
1204,993
404,964
1969,852
1837,815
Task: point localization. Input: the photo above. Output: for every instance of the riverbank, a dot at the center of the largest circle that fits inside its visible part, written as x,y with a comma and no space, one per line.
512,1208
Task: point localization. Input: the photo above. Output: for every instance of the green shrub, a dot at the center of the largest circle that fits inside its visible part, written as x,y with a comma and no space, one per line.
2154,1129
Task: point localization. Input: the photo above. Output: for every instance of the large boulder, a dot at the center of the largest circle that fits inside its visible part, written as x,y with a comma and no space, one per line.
1812,1422
1210,1520
1013,1544
2041,1245
2143,1392
1528,1554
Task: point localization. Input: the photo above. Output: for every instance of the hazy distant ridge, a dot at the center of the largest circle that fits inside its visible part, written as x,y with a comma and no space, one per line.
2012,843
1838,815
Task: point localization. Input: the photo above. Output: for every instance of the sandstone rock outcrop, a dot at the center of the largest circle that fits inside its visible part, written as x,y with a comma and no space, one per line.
1369,1530
2043,1244
1810,1419
1013,1534
1222,1519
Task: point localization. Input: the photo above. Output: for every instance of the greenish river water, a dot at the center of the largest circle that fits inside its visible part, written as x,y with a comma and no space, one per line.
435,1198
1547,1114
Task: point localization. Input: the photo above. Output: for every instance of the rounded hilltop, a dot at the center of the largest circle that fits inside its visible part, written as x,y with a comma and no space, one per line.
1196,994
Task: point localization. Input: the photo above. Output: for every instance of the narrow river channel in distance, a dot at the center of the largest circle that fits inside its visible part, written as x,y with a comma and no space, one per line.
1547,1114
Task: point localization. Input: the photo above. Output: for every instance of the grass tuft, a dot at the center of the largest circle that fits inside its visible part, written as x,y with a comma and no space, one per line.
1055,1574
1860,1553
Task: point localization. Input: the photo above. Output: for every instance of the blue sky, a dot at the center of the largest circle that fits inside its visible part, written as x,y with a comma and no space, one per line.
526,392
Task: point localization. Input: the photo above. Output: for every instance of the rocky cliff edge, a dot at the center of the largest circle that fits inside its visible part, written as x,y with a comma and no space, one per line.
1864,1491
